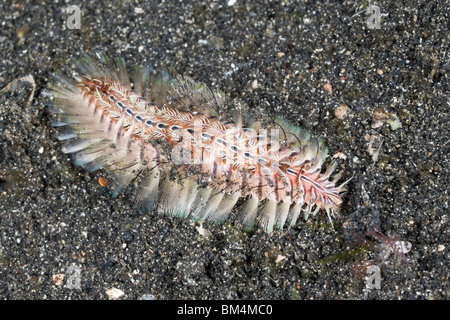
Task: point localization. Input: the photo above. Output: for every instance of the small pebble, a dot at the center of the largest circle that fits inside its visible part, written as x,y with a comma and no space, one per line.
114,293
341,111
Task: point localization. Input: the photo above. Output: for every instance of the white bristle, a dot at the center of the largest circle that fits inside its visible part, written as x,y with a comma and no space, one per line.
248,211
267,215
282,213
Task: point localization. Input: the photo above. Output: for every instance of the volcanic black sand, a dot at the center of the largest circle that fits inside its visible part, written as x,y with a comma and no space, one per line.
377,94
